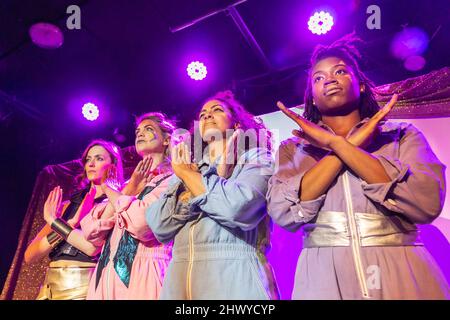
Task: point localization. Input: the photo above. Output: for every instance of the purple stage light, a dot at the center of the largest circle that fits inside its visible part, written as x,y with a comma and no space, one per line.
46,35
409,42
196,70
320,23
414,63
90,111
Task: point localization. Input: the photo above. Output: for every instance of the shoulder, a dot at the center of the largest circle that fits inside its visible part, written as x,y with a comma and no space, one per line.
405,129
259,154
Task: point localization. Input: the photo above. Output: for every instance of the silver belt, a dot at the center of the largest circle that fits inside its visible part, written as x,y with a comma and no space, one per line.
330,229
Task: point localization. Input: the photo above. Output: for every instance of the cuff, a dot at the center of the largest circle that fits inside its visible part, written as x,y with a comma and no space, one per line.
302,211
210,178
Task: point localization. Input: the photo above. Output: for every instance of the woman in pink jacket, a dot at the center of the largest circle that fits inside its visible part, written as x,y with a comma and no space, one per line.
133,263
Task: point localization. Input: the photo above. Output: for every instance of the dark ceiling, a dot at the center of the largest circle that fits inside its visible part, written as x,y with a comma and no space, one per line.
126,59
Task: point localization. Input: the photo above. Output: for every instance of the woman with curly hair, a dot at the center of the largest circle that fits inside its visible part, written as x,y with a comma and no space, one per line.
214,210
358,185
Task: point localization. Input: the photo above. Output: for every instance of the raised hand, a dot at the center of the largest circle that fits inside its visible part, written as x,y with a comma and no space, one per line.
229,156
52,205
311,132
364,135
109,178
142,174
181,160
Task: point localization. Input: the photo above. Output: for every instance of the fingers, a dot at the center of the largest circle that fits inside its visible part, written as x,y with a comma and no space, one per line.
391,103
58,197
299,134
176,154
139,166
146,164
386,109
291,114
187,154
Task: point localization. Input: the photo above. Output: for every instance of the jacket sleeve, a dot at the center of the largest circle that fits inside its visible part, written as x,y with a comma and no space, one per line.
130,212
167,216
283,202
95,228
417,188
236,202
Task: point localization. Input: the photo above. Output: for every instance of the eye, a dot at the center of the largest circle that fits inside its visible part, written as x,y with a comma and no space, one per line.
318,78
341,71
150,129
217,109
201,115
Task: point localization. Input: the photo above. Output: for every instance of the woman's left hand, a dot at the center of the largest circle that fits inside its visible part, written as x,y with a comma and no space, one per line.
229,157
109,178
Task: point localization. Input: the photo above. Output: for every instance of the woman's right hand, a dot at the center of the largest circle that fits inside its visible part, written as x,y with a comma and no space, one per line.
52,205
142,174
310,131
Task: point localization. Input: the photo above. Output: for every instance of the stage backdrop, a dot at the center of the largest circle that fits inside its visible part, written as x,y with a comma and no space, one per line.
424,101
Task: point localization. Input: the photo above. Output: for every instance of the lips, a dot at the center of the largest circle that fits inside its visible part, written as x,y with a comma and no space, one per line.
91,171
332,90
139,141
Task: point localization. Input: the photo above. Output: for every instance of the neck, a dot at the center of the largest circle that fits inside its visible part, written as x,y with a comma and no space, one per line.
98,189
158,161
341,125
215,149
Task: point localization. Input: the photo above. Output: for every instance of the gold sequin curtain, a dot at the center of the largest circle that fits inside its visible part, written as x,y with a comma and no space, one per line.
427,96
23,280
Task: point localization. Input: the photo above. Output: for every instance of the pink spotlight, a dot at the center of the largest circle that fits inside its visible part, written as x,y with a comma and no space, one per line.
320,23
196,70
414,63
90,111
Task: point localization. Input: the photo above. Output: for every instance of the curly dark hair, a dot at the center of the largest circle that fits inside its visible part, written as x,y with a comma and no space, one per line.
345,49
239,115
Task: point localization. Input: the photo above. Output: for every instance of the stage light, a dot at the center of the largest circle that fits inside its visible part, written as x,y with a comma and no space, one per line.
414,63
409,42
46,35
90,111
196,70
320,23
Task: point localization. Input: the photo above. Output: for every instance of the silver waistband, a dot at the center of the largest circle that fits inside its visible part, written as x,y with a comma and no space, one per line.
330,229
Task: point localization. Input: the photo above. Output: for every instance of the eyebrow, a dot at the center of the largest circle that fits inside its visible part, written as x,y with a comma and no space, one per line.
216,105
146,126
336,65
95,155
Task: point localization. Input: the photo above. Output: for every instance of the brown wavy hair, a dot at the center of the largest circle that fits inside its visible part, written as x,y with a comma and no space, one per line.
239,115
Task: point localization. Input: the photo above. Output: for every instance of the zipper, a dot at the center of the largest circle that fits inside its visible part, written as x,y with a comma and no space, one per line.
107,279
191,258
354,238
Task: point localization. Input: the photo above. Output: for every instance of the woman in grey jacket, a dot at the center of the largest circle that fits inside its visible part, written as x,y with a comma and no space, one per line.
215,210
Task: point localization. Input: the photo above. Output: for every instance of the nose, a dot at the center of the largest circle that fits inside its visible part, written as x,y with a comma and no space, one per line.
91,163
330,80
208,115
